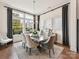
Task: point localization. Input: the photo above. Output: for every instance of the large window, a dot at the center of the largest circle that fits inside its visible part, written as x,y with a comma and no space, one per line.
17,22
29,21
21,22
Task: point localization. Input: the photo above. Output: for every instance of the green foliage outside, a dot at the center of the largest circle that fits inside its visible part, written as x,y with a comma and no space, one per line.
17,26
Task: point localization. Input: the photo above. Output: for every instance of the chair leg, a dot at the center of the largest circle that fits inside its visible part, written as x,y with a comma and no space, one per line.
29,51
6,44
23,44
49,53
26,49
53,50
39,48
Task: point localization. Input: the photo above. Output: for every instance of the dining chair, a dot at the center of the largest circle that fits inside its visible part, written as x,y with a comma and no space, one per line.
49,44
30,44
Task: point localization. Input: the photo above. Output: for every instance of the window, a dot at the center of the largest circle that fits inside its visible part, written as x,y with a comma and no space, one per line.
21,21
29,21
17,22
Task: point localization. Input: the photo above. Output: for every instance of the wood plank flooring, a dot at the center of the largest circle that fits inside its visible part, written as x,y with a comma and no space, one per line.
6,53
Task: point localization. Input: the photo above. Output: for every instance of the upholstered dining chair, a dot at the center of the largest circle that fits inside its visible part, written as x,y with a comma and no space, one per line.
49,44
30,43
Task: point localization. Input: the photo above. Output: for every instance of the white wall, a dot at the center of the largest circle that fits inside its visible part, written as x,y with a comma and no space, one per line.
46,19
3,19
72,25
53,20
57,27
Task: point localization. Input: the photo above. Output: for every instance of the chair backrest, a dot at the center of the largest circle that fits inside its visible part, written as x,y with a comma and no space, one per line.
51,42
28,40
4,36
30,43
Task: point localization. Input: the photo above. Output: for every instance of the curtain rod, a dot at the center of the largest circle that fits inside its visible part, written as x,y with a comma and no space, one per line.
54,9
19,10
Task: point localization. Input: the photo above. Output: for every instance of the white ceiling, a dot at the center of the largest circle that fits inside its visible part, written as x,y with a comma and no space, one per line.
39,7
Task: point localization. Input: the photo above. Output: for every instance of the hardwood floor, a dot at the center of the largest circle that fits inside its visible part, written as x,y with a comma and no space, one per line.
6,53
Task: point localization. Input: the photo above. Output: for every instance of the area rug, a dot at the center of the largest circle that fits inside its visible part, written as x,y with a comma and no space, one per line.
22,54
17,38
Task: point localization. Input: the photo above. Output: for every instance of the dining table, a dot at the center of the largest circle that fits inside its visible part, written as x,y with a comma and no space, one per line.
40,38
